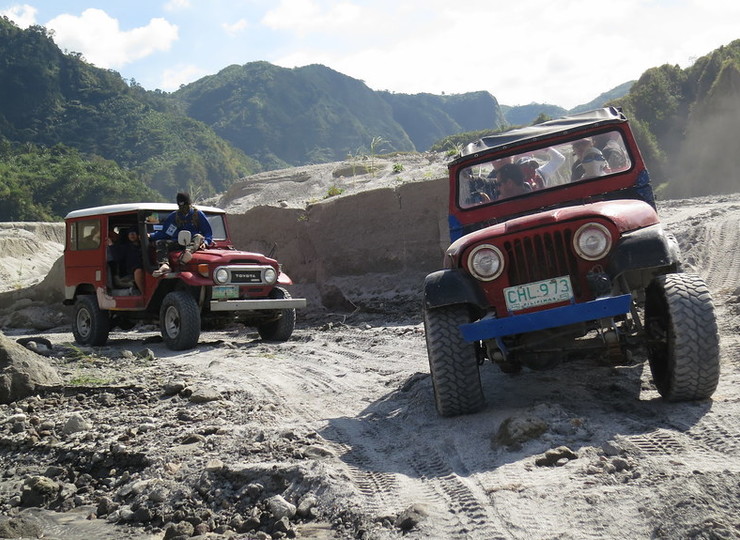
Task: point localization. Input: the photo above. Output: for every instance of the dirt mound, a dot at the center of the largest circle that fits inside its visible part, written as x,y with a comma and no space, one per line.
28,252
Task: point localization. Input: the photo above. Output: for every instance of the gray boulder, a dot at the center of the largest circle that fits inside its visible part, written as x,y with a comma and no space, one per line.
23,372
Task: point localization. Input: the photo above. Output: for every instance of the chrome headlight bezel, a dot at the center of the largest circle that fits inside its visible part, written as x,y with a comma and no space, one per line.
269,276
221,276
483,256
592,241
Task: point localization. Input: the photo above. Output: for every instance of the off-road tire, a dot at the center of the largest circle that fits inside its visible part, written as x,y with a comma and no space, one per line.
282,328
683,341
452,362
179,321
90,325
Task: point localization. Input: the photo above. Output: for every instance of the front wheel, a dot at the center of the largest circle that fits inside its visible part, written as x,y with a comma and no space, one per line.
282,328
452,362
683,341
179,321
91,325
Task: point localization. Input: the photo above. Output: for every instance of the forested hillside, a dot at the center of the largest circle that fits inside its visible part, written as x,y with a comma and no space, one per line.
72,134
688,122
314,114
48,98
288,117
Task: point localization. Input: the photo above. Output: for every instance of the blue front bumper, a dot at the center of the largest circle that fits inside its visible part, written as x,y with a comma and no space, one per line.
600,308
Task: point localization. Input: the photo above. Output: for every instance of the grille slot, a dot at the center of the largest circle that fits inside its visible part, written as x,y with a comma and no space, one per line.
541,256
246,276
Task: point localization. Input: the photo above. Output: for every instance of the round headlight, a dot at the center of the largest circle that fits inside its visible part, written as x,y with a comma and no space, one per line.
221,275
592,241
270,276
486,262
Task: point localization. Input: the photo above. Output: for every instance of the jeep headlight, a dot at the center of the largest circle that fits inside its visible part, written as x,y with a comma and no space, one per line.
221,276
270,276
592,241
486,262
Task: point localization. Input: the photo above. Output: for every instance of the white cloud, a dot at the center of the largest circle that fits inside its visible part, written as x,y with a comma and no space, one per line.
305,16
565,53
99,38
22,15
235,28
177,5
173,78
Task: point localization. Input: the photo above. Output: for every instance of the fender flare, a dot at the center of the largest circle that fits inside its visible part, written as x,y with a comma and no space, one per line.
452,286
648,248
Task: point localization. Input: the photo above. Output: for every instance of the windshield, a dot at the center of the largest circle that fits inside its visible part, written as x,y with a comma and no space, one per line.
217,226
550,166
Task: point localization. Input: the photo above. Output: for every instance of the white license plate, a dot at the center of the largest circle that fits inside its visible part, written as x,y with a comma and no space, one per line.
228,292
538,293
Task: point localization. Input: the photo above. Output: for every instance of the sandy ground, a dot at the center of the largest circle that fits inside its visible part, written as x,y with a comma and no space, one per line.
343,415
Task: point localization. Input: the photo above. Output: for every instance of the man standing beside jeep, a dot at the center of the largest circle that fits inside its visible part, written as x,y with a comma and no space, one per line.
185,218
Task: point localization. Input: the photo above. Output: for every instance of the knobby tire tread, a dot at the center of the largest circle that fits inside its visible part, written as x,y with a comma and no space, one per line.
692,352
452,362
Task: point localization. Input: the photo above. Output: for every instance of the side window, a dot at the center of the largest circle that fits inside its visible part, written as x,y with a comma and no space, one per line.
86,234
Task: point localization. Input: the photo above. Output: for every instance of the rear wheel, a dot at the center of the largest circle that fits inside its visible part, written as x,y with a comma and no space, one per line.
683,346
179,321
452,362
282,328
91,325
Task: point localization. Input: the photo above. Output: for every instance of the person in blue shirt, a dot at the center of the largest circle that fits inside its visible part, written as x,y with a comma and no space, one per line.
185,218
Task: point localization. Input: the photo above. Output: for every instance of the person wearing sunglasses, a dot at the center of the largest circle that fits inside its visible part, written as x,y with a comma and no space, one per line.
593,163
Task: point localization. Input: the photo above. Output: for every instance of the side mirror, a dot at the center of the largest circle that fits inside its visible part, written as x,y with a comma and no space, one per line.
184,237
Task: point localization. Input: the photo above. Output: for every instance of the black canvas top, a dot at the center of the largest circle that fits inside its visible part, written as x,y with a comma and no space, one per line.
559,126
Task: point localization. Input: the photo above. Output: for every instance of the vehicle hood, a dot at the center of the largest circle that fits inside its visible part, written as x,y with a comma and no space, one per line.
221,257
627,215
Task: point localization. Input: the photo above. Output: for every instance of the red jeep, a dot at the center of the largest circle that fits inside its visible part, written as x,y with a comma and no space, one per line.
558,250
217,285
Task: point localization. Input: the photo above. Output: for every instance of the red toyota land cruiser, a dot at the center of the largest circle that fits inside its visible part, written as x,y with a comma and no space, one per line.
218,284
557,249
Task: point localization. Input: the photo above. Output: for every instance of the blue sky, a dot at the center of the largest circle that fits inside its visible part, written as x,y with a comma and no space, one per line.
565,52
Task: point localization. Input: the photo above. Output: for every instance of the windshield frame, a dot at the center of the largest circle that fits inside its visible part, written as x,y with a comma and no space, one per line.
546,167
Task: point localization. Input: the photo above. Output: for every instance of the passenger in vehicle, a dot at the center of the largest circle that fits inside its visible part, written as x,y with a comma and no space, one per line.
537,174
529,167
614,152
481,191
593,163
580,147
511,181
126,255
132,258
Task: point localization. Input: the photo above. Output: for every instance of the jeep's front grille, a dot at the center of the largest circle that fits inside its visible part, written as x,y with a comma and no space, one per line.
541,256
246,276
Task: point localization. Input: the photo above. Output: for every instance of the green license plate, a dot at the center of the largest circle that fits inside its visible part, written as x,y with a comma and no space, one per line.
225,292
538,293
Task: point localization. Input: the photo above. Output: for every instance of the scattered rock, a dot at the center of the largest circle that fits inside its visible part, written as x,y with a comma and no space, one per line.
557,456
20,527
174,387
611,449
75,424
39,491
204,394
23,372
182,529
146,354
410,518
517,430
280,508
